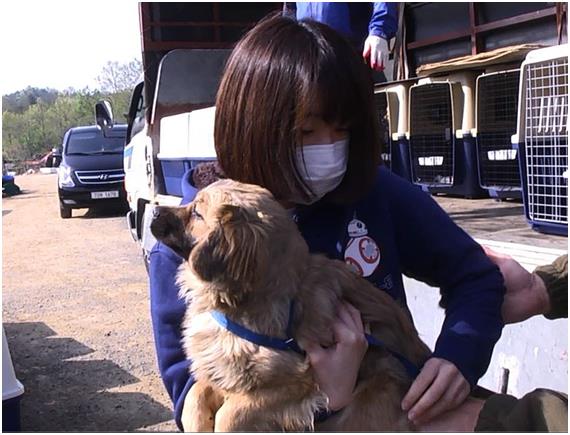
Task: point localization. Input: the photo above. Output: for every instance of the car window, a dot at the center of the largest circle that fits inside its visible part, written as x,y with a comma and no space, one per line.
93,143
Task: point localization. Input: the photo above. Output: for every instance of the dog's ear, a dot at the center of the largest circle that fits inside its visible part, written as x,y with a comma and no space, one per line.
169,226
247,244
235,253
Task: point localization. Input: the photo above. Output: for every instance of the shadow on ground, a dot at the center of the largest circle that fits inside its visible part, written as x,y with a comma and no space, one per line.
102,213
66,395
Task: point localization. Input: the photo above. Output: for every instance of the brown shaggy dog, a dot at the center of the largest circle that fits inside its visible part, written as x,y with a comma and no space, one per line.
246,259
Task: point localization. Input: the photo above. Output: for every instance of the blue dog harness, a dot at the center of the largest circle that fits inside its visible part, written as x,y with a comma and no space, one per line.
290,343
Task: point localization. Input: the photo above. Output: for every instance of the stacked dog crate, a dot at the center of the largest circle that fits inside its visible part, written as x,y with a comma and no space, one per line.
442,150
392,106
542,138
496,122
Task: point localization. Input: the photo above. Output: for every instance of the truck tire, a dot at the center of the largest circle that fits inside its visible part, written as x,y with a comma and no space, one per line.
64,212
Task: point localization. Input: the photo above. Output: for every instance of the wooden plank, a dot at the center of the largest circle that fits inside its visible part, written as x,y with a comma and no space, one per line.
170,45
437,39
144,18
200,23
473,25
482,28
217,30
513,21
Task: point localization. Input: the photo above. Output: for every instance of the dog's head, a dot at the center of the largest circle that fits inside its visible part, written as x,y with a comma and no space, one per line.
230,235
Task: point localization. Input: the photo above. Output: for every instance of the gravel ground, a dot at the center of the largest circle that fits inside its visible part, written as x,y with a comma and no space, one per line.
76,315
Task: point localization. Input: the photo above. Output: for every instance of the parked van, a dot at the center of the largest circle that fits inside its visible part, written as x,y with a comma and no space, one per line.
91,172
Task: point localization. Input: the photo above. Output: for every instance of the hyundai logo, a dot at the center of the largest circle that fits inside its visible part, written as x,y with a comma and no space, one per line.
103,177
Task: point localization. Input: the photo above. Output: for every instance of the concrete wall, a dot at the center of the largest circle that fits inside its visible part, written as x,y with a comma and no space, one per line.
535,352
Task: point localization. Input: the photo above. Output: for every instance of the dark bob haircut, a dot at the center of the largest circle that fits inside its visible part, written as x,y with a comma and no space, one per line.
280,71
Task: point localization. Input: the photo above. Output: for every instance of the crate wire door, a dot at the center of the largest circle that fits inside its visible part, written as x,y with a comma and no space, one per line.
431,134
383,116
497,104
546,140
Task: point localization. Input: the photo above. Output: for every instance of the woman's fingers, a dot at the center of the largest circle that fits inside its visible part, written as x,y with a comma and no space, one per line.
352,316
439,387
420,385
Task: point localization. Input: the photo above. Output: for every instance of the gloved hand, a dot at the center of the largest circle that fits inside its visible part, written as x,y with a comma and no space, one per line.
373,54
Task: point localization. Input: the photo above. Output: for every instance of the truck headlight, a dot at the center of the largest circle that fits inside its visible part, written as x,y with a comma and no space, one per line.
64,176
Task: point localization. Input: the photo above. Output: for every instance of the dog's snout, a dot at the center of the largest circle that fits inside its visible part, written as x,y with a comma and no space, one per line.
162,222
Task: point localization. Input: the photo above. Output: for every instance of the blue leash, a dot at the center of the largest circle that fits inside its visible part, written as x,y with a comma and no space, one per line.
262,340
412,370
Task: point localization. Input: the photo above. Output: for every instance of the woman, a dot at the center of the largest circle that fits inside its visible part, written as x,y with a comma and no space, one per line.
295,114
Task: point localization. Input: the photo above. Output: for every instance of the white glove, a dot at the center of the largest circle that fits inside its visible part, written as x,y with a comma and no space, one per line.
374,52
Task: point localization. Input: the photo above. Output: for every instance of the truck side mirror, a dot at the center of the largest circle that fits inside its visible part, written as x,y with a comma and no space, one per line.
104,115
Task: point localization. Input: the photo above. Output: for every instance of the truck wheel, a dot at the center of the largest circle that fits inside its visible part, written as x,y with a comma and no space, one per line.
64,212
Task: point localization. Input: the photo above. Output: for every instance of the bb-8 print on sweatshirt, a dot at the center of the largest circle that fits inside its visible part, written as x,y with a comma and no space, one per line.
361,253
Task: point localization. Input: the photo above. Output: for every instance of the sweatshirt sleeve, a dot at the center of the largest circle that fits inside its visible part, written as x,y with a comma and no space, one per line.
555,277
167,312
384,20
433,249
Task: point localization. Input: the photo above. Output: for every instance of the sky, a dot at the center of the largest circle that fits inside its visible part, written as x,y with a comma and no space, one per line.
62,44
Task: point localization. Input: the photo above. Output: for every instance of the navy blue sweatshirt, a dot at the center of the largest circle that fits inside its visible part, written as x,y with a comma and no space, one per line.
396,229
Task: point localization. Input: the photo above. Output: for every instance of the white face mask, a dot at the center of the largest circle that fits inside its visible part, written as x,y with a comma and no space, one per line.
322,168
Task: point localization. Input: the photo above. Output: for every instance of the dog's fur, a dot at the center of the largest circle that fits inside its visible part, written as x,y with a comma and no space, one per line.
246,258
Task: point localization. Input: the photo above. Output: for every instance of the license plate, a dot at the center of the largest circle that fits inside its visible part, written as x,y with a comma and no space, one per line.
103,195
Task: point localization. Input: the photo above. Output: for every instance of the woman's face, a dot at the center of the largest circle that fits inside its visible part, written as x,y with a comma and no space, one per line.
315,131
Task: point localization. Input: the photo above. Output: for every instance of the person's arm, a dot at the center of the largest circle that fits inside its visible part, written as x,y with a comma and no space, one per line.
384,20
435,250
545,291
167,312
555,279
383,26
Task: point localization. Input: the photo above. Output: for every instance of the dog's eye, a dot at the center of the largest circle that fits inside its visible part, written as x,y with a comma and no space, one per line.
195,214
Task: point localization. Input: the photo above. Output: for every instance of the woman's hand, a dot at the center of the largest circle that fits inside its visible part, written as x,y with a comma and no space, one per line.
336,367
372,52
439,387
526,294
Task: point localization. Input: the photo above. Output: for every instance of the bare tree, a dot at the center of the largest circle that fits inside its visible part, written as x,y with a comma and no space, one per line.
116,77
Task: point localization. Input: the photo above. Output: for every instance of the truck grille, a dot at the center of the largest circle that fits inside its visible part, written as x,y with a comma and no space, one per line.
101,176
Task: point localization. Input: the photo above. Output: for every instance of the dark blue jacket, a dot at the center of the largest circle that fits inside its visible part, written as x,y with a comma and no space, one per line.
396,229
354,20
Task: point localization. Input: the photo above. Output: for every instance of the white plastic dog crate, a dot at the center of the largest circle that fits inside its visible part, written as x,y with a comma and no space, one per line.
497,98
441,118
436,111
185,140
542,138
394,98
12,391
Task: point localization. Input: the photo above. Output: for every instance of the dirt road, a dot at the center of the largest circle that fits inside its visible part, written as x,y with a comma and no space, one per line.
76,314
